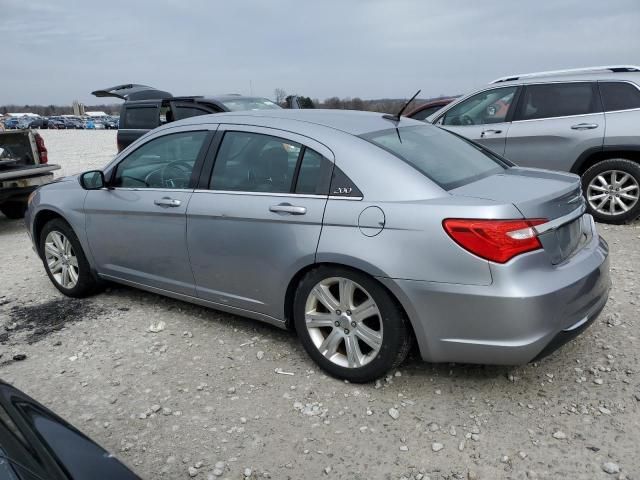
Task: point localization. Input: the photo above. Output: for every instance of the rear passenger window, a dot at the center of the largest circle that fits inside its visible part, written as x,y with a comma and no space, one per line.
619,96
557,100
141,117
253,162
314,176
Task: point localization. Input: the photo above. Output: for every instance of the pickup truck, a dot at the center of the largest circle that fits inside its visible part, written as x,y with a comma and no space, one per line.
23,168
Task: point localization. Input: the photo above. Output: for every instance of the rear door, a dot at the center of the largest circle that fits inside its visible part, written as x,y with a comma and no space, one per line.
554,124
257,216
483,117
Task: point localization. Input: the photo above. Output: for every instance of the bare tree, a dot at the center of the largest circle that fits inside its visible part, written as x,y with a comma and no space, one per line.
279,95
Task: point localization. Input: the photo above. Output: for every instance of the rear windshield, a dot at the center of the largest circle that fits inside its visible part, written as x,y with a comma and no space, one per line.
247,103
447,159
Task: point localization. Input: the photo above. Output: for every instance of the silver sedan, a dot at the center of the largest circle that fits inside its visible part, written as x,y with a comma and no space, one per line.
363,233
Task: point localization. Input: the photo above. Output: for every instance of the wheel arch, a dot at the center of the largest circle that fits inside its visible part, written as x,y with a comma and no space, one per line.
40,220
295,281
594,155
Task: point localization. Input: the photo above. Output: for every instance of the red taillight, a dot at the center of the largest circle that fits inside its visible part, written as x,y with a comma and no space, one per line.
42,150
495,240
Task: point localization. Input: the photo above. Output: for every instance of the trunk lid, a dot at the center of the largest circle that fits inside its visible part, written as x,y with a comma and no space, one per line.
555,196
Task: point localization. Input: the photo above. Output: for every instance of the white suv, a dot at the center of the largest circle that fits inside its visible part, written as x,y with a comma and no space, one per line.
585,121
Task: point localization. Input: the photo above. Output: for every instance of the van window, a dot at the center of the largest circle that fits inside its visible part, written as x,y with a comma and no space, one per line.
557,100
146,117
619,96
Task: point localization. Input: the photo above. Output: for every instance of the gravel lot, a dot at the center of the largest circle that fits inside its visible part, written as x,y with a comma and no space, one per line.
202,397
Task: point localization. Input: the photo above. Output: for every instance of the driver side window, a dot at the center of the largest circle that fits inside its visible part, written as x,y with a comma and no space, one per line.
164,162
490,106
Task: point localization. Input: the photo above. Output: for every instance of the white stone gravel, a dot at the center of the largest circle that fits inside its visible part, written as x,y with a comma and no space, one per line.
192,383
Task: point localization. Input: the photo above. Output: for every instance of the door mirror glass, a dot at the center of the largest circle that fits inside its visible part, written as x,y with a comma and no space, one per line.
93,180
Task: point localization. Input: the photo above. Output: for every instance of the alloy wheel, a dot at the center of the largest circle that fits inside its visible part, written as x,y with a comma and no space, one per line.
613,192
344,322
61,259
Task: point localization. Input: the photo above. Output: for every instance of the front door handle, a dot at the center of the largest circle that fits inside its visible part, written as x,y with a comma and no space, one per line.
167,202
288,208
491,131
584,126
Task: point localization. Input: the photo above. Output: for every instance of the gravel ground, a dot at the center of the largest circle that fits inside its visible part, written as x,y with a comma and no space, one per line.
213,395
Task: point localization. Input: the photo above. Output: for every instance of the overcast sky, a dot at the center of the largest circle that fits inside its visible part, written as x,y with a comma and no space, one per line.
58,51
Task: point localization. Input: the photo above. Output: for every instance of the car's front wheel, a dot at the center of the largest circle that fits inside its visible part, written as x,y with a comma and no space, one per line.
612,190
65,261
349,324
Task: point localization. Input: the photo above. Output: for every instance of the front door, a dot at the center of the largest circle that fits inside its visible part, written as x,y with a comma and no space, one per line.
483,117
554,124
136,228
258,220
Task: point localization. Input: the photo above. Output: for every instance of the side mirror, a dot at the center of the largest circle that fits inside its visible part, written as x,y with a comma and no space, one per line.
93,180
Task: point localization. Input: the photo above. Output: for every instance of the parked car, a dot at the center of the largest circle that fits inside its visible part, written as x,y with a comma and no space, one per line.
23,168
11,123
581,121
423,111
36,444
146,108
56,123
359,230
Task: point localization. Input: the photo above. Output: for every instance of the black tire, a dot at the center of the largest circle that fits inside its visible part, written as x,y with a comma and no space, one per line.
87,283
397,337
14,210
620,164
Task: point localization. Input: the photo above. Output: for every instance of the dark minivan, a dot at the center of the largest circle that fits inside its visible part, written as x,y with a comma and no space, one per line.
146,108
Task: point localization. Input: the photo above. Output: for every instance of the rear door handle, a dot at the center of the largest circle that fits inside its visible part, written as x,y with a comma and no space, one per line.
167,202
584,126
490,132
288,208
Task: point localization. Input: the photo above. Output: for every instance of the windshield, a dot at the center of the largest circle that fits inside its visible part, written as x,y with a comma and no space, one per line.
249,103
447,159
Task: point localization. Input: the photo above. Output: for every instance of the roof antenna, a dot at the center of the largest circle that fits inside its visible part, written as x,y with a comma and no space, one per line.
396,117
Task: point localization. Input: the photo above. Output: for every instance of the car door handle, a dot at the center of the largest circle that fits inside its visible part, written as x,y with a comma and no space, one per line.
288,208
584,126
167,202
490,132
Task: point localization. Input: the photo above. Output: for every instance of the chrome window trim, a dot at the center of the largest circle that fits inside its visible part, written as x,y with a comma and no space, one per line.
151,189
275,194
553,118
443,111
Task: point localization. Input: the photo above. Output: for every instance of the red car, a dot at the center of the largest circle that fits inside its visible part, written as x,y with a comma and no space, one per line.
423,111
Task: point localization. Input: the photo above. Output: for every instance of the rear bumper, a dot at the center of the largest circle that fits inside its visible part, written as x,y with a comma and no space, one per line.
530,309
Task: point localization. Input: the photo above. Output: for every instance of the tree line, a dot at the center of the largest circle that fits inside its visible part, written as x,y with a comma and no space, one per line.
386,105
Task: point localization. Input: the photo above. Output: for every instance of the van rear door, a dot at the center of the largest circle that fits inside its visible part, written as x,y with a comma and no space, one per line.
132,91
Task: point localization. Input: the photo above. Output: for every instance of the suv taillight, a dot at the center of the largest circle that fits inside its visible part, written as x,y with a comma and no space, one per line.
42,150
495,240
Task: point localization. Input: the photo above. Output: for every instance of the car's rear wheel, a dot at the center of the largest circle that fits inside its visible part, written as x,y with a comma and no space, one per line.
14,210
349,324
612,190
65,261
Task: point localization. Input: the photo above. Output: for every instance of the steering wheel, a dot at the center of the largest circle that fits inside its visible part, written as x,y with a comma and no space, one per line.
466,120
173,175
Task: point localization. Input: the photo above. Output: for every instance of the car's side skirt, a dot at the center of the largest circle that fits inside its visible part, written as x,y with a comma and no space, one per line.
199,301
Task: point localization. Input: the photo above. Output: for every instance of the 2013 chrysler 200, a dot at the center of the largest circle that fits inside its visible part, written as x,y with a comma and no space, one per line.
360,231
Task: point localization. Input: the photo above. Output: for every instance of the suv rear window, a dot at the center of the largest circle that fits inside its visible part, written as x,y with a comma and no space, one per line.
557,100
445,158
619,96
141,117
